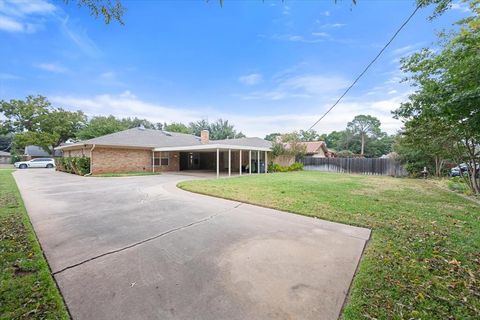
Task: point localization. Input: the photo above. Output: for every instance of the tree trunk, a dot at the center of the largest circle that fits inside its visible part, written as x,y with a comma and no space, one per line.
363,144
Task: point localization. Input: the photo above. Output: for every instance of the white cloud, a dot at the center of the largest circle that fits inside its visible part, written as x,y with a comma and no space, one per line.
461,6
127,104
320,34
286,10
10,25
251,79
24,15
79,37
52,67
329,25
300,86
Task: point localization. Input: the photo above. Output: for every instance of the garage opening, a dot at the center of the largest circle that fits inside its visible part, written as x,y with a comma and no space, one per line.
198,161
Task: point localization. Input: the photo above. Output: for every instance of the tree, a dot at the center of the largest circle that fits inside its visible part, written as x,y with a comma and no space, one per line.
6,142
220,129
35,121
23,115
197,127
272,136
364,126
289,144
100,126
137,122
109,9
309,135
447,83
176,127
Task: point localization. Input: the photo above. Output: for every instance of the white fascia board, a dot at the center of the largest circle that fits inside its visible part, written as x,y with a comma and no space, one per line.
211,147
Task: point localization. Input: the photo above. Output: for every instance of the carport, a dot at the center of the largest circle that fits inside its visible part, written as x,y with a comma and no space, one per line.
220,158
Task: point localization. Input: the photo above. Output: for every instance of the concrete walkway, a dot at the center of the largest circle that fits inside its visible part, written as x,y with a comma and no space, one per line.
140,248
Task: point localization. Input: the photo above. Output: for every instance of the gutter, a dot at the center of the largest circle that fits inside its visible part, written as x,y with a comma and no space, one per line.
91,159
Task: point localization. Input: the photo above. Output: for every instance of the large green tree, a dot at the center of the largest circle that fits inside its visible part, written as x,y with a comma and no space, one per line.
34,121
447,90
220,129
364,126
177,127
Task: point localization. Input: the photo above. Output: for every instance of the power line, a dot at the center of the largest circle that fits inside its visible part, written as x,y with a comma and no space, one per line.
368,66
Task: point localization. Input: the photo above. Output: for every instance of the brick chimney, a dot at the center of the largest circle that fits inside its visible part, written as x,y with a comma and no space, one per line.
204,136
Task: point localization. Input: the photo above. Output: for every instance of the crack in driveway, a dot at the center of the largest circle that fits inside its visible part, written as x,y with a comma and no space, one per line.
148,239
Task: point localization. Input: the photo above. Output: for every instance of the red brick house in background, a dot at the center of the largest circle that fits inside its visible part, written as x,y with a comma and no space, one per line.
141,149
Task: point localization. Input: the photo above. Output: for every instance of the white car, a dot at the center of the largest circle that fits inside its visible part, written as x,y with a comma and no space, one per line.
36,163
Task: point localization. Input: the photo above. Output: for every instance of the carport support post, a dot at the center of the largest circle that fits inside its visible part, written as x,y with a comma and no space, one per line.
266,162
240,162
218,163
249,161
258,161
153,161
229,162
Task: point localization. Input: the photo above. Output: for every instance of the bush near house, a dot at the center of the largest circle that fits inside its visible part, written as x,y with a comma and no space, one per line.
75,165
274,167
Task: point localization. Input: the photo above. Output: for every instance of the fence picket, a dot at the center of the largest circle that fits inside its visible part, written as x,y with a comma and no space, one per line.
369,166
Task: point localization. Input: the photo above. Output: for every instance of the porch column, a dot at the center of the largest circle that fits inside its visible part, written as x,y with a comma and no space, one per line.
249,161
240,162
153,161
229,162
218,163
258,161
266,162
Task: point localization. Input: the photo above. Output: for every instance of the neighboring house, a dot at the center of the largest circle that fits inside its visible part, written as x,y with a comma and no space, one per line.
318,149
5,157
141,149
32,152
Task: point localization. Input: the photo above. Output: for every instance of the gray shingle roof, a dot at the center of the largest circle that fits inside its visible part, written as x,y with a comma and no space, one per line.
149,138
36,151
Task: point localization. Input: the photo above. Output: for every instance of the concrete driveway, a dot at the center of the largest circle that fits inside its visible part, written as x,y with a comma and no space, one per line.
139,248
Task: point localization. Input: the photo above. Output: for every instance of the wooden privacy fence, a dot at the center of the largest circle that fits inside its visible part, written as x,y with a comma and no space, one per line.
373,166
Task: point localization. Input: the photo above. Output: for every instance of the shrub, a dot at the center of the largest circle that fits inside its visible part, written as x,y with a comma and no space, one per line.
76,165
274,167
295,167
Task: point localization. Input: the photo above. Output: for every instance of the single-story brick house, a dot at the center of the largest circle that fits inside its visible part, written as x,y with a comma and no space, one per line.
141,149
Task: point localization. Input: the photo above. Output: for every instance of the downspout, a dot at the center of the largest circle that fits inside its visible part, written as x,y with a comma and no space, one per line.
91,159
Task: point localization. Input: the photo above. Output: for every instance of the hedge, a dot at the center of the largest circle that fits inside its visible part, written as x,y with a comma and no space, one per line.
278,168
76,165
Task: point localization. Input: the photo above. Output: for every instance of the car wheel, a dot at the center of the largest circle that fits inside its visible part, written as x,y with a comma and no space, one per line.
49,165
23,166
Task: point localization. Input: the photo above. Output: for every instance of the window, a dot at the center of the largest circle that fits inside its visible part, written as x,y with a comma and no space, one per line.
162,161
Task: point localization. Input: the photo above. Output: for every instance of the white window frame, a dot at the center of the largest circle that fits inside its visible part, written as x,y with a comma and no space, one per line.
164,155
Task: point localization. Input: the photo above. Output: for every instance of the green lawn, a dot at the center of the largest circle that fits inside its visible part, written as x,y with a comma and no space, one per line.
423,260
27,289
127,174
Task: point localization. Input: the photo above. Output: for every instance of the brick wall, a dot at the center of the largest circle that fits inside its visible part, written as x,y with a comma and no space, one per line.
106,160
83,152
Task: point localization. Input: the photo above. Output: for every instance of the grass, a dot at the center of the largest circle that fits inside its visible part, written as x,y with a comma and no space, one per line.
423,260
27,289
127,174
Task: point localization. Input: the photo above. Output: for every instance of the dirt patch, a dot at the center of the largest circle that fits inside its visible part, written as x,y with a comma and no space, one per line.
8,200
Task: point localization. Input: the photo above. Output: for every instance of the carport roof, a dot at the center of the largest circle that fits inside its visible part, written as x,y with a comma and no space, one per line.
167,141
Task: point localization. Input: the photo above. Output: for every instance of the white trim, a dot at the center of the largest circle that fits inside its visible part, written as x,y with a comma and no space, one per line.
229,162
249,161
211,147
218,163
240,162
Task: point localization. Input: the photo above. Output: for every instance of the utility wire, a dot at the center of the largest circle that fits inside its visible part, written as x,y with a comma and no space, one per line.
368,66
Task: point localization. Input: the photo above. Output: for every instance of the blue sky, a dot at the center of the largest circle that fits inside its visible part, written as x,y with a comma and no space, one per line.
266,66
